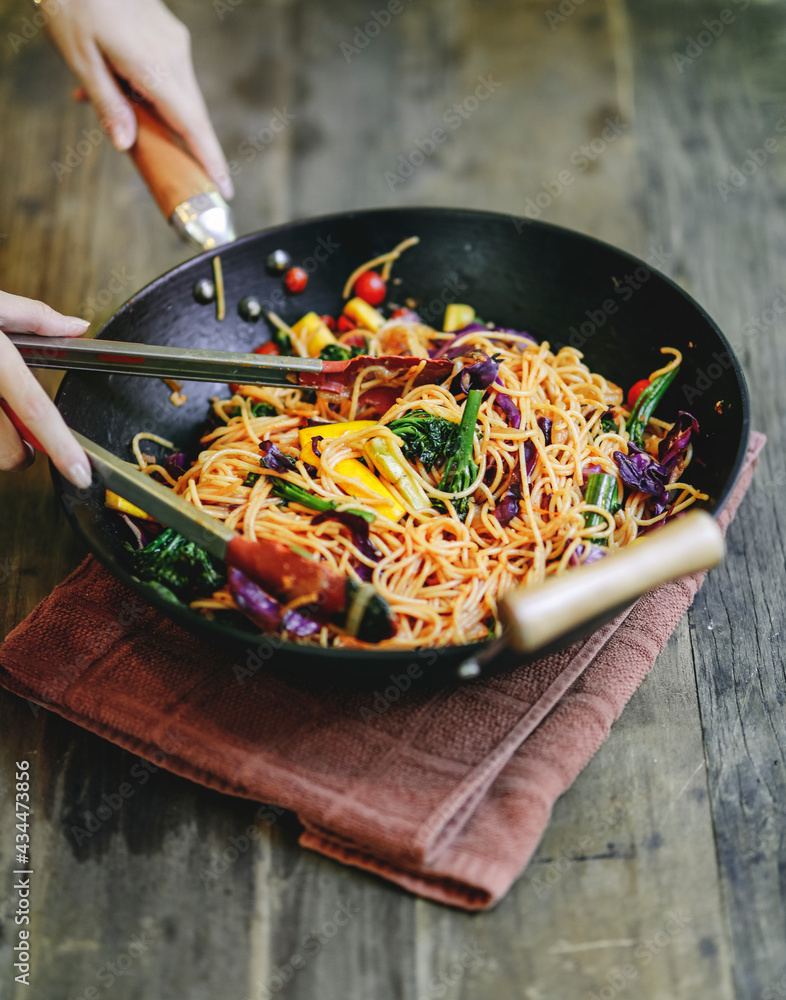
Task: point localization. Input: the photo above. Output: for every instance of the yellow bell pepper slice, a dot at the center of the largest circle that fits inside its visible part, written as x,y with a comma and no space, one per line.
351,466
308,454
314,332
115,502
372,487
392,465
457,316
363,314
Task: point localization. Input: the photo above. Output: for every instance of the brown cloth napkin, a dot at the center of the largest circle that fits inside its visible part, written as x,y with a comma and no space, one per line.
445,793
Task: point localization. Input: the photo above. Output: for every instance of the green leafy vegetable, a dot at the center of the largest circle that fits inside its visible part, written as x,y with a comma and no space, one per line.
296,494
338,352
252,478
429,438
601,492
646,403
180,565
460,469
282,341
257,410
608,424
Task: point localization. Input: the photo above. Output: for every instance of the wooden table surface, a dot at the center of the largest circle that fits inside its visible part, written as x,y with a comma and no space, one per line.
662,872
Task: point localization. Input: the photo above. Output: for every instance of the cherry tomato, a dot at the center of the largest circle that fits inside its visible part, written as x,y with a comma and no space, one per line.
345,324
380,398
398,313
636,390
295,280
352,339
267,348
329,322
371,288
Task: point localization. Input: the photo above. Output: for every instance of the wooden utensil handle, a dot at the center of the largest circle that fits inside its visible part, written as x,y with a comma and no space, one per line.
172,174
536,616
24,432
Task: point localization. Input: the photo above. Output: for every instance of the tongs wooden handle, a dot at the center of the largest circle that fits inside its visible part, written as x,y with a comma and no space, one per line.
538,615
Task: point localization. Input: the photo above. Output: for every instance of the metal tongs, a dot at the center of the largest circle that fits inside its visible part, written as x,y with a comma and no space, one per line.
360,610
85,354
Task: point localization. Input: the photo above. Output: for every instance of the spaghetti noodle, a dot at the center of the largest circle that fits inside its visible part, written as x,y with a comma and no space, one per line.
545,423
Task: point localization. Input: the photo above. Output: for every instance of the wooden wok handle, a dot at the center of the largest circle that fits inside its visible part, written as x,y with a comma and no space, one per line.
536,616
172,174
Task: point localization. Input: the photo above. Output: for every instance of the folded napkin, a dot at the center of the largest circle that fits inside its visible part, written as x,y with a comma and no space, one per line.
445,792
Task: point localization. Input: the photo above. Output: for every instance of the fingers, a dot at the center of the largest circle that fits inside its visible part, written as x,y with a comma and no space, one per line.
21,315
183,108
15,454
112,107
39,414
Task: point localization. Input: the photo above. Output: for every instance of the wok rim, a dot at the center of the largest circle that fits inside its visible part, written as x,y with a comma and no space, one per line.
214,630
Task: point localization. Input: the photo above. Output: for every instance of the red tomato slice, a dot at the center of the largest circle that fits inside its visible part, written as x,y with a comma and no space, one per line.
295,280
371,287
352,339
636,390
380,398
267,348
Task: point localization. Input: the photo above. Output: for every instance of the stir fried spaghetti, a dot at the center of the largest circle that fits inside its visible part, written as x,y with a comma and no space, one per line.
381,506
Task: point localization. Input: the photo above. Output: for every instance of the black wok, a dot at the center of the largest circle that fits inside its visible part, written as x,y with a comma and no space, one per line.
557,284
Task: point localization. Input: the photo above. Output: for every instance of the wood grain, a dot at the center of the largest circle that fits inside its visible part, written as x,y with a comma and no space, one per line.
664,863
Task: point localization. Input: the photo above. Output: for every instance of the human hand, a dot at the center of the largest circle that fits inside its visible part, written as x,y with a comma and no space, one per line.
26,397
144,44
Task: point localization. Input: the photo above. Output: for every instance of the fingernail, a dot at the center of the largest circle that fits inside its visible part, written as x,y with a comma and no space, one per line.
77,325
123,135
81,474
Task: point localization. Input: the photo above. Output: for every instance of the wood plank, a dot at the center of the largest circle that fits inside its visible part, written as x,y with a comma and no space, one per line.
634,841
729,251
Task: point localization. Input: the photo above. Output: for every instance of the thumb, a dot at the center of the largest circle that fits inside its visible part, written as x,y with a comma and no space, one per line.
113,109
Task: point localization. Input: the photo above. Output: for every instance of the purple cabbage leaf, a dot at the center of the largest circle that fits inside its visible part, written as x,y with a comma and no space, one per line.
274,459
265,611
478,375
